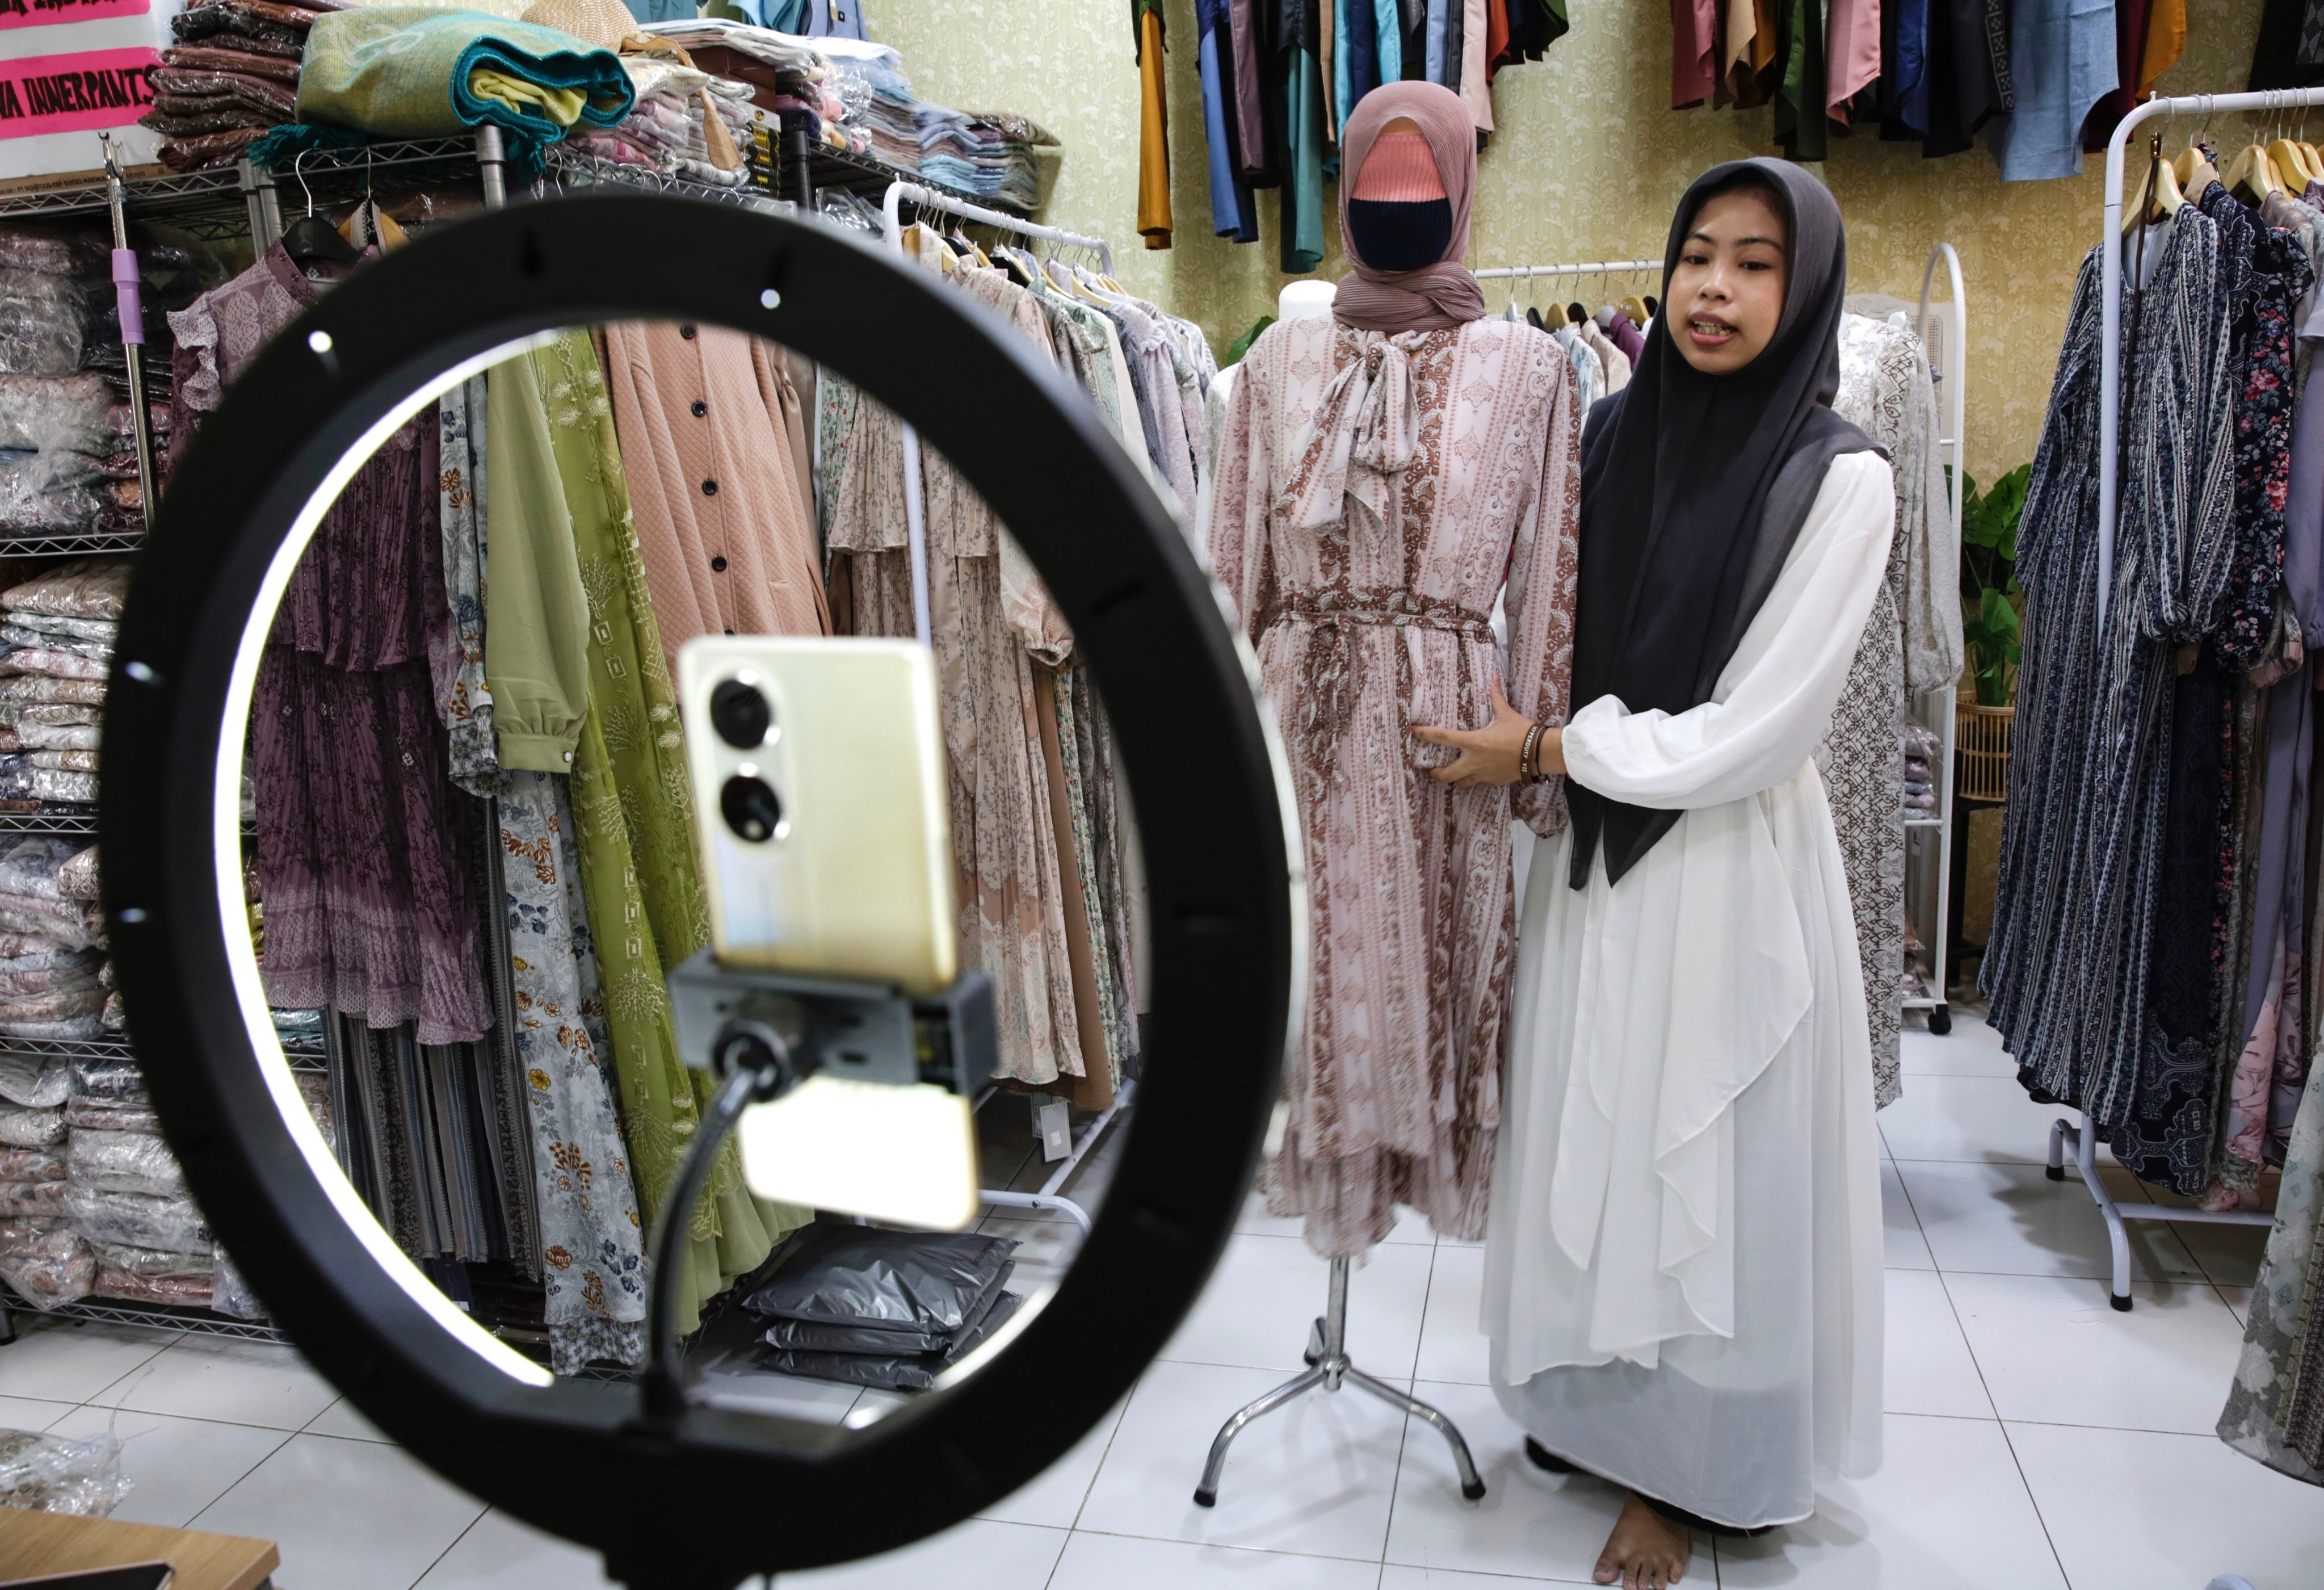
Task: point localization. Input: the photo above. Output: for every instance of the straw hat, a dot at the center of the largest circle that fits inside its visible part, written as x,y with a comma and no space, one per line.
602,22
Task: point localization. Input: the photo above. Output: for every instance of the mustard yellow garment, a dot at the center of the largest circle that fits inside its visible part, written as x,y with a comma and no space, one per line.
561,105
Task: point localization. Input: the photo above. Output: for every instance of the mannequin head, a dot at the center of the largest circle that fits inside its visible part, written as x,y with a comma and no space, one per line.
1398,217
1727,290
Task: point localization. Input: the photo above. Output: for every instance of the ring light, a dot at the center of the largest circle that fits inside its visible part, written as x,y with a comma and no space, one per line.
727,1494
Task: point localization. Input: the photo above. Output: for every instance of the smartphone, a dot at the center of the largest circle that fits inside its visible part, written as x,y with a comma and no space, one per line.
818,775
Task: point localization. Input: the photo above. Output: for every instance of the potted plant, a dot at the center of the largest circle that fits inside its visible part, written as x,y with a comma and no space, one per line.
1991,625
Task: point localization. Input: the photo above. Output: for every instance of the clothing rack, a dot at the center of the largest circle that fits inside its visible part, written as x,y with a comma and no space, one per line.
1599,268
1937,706
891,228
2063,1131
891,208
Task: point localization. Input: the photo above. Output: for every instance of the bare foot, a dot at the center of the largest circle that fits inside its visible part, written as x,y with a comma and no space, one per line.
1645,1551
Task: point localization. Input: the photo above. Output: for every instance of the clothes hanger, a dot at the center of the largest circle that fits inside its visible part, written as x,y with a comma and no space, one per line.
310,240
2252,175
2158,196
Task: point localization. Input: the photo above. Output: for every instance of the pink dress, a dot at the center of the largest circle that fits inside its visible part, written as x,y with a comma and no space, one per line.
1376,494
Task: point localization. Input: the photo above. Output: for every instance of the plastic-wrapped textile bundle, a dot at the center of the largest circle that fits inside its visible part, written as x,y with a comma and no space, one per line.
32,1200
45,1262
137,1220
124,1162
148,1275
49,324
31,1128
79,1476
107,1115
58,414
85,587
35,1082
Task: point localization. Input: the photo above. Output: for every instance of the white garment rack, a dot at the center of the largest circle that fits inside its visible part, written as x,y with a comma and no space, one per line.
1952,423
1598,268
2065,1133
891,213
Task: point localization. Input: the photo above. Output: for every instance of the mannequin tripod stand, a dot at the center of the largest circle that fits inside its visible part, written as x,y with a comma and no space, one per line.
1328,1367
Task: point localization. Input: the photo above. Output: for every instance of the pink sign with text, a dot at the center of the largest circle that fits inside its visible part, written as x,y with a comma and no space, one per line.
74,93
35,13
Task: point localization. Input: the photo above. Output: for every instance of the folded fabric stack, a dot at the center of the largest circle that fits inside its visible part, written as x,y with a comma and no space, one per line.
787,75
411,72
684,122
57,633
232,73
125,1195
870,1307
1921,747
991,157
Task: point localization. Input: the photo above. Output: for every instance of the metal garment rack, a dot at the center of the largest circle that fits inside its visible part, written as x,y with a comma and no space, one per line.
1937,706
892,214
2064,1133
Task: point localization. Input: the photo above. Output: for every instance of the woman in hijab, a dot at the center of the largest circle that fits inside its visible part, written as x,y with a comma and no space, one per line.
1683,1282
1384,477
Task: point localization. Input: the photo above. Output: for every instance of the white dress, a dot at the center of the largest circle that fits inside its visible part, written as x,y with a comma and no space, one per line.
1682,1271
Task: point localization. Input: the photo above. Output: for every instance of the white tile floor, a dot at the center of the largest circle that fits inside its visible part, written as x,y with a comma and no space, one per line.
2035,1438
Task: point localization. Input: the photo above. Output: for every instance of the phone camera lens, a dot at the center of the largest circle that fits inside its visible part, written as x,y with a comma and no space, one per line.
741,714
751,808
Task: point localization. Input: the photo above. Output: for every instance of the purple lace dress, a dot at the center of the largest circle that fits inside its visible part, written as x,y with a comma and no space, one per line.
369,910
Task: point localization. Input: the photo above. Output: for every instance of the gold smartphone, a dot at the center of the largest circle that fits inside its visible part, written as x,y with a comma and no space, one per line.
819,792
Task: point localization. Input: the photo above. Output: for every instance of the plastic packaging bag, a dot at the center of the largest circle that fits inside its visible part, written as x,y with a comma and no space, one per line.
23,1128
73,1030
136,1221
895,1373
38,1083
45,688
29,866
103,1115
230,1294
112,1078
815,1335
52,250
32,1165
55,1005
88,587
104,631
61,736
65,922
32,1200
22,781
45,323
125,1161
1920,741
114,1016
56,414
61,1473
85,971
46,1262
56,664
863,1275
47,492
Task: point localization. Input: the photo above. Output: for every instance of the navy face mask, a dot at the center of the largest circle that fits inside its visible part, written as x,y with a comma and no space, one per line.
1400,234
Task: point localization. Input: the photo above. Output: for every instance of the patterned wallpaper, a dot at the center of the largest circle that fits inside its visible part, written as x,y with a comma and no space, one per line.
1588,164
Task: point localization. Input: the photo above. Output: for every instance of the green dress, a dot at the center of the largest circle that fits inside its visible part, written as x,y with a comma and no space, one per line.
634,820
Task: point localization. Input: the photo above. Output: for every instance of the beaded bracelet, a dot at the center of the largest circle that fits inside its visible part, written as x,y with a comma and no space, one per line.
1528,768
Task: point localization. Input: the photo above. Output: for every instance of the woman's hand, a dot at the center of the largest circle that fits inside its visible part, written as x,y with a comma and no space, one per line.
1488,756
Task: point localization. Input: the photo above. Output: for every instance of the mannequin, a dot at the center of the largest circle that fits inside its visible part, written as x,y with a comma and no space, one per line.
1305,300
1382,475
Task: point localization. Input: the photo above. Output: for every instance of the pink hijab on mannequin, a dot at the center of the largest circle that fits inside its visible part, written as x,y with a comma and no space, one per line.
1435,296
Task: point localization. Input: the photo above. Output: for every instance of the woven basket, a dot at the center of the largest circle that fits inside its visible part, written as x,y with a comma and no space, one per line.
1981,737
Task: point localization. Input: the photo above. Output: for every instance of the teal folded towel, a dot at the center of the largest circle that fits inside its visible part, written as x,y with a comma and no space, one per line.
403,71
